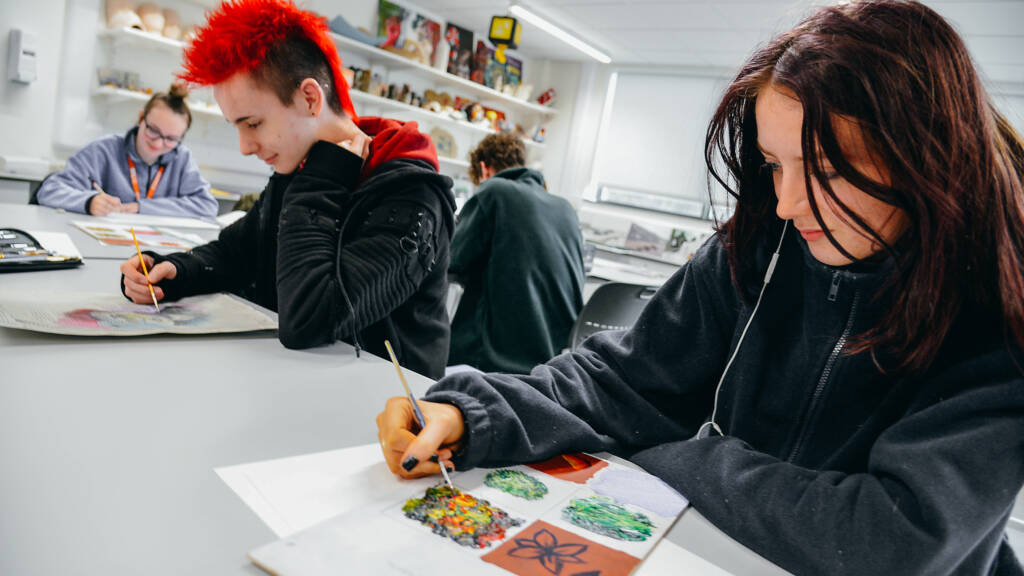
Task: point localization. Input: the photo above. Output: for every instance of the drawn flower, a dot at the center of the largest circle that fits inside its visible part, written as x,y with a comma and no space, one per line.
544,547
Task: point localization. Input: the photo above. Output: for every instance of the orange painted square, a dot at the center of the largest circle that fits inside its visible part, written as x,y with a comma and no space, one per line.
545,550
576,468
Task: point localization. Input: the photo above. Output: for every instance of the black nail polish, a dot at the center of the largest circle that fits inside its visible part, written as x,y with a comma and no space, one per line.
410,463
434,459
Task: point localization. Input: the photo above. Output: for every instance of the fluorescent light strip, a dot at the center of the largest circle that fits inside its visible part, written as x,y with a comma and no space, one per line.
518,10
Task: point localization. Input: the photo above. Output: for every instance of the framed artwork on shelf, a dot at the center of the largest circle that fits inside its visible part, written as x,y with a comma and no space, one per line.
494,73
513,71
460,53
481,57
408,33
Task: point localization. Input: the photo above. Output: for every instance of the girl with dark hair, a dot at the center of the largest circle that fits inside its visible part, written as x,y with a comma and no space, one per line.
836,379
146,170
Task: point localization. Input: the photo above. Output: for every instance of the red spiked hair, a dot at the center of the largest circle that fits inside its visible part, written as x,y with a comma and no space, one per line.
239,33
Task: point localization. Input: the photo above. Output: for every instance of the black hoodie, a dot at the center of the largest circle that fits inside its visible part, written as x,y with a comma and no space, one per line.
388,280
827,466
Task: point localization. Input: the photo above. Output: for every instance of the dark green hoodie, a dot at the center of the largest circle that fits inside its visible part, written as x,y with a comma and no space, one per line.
519,254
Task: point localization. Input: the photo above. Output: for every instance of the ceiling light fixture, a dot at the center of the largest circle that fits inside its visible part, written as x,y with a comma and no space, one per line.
519,11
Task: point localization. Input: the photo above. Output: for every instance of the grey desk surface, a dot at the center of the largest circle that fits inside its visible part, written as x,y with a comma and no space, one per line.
42,218
108,445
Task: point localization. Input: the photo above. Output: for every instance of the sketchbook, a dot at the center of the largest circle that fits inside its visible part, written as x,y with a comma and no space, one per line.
573,514
101,314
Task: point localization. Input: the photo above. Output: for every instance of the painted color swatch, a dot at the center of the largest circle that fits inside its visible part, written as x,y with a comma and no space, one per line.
604,516
576,468
460,516
639,489
542,549
516,483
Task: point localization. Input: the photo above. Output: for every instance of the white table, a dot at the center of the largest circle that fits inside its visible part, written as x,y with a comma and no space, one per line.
108,445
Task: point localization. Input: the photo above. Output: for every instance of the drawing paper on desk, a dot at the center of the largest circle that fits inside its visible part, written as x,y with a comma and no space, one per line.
137,220
112,315
572,515
113,234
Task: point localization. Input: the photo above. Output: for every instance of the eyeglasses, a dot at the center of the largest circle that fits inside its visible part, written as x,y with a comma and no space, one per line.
154,134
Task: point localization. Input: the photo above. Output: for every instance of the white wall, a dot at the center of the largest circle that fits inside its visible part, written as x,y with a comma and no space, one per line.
661,126
1011,103
589,105
26,111
564,77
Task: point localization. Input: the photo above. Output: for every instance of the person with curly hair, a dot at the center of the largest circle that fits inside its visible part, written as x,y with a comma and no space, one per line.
518,252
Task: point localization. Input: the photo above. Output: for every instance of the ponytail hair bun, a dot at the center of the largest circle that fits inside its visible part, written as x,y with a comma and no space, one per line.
174,99
178,91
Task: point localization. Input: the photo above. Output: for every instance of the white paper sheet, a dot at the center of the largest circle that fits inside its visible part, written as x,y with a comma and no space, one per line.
230,218
104,314
623,272
150,220
292,495
58,242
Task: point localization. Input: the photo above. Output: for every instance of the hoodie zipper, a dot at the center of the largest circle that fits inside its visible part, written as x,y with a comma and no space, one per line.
833,290
826,373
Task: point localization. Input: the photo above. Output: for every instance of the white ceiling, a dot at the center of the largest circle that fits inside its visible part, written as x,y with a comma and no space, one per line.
721,33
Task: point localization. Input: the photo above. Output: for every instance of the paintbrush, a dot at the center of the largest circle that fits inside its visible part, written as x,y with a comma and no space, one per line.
416,408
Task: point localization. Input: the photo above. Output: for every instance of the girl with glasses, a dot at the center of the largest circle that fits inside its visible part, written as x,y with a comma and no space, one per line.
147,170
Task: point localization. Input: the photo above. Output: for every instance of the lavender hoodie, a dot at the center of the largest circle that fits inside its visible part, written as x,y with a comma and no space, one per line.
181,192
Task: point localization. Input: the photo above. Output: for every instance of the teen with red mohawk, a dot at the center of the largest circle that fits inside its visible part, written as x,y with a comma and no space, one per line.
350,238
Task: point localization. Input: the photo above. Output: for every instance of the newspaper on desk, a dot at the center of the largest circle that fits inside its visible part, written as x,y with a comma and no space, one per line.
103,314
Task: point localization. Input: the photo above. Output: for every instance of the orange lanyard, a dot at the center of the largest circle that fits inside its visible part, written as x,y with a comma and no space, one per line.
135,179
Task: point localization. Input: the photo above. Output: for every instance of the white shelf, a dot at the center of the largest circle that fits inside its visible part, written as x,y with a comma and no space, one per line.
359,96
131,35
453,162
395,62
372,53
121,95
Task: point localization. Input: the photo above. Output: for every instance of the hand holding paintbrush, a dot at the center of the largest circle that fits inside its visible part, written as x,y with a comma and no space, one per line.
439,426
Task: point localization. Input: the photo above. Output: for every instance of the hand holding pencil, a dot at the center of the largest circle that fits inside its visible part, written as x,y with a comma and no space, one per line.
102,203
145,273
140,276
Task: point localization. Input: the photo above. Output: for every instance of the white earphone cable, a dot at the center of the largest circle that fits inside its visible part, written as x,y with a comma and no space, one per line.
705,429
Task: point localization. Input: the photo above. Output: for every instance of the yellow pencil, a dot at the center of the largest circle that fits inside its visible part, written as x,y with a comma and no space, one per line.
144,271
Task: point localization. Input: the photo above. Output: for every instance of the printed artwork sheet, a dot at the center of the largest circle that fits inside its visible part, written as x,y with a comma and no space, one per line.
102,314
113,234
575,515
